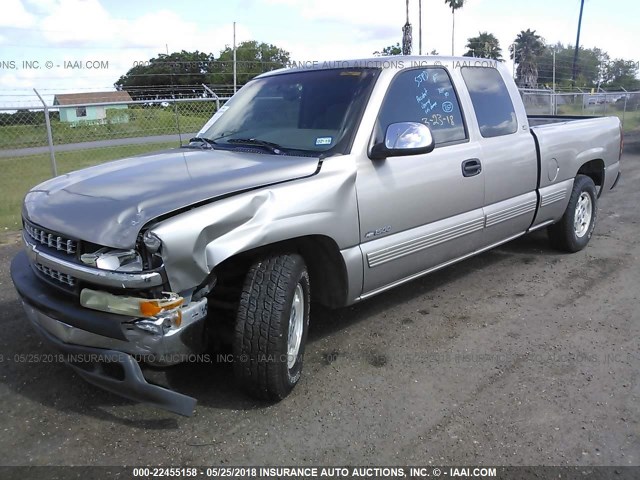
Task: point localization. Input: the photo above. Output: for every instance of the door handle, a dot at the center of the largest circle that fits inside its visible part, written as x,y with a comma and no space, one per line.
471,167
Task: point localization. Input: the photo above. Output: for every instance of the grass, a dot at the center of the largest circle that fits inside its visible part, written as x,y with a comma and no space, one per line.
20,174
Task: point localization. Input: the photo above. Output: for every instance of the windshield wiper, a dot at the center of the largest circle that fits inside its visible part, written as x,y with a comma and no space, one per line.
254,142
205,142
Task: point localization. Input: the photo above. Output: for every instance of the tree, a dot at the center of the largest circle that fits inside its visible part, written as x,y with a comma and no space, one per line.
167,76
454,5
526,51
620,73
588,67
252,58
485,45
390,50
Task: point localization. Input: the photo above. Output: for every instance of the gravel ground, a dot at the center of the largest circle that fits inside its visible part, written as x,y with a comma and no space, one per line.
520,356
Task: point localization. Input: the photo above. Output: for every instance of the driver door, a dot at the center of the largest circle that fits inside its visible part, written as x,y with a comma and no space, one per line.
419,212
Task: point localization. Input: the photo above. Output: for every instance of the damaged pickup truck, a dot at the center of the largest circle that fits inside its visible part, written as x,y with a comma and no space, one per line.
325,185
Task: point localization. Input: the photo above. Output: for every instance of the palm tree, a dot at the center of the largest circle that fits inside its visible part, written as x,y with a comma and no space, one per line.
485,45
454,4
526,50
407,40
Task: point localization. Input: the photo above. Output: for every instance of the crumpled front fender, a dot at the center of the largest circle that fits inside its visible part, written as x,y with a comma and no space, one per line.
194,242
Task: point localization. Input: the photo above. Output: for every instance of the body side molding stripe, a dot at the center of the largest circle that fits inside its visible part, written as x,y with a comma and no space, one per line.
553,197
511,212
423,242
437,267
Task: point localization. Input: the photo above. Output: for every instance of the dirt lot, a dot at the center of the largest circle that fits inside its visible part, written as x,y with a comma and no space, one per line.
521,356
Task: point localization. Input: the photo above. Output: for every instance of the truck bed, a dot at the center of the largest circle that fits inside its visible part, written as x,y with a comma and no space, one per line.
537,120
565,143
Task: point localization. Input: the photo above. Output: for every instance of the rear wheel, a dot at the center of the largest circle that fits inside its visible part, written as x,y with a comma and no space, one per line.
573,232
271,326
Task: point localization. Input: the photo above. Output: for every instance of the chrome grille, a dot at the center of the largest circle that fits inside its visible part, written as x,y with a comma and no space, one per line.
56,275
50,239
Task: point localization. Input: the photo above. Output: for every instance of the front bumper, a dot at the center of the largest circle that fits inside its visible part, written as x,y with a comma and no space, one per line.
101,346
96,366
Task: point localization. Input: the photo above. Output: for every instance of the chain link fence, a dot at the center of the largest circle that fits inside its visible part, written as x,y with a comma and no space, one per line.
38,143
625,105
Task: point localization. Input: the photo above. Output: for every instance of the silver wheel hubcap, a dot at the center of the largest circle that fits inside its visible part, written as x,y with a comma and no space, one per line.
296,326
583,213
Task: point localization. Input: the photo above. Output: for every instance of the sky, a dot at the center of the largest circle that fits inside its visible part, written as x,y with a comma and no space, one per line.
111,35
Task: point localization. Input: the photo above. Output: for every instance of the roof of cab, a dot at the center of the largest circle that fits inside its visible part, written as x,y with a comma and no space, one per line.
397,62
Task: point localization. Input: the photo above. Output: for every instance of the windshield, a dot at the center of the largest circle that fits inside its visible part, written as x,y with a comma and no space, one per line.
314,111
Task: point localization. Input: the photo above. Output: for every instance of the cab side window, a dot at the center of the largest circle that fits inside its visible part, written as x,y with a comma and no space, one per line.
491,101
426,96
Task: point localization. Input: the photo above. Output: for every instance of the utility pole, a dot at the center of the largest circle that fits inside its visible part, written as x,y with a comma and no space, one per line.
554,107
575,53
235,71
554,70
420,26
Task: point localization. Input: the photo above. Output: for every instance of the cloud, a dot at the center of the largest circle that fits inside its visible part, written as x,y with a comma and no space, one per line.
159,28
66,25
41,6
15,15
79,22
309,29
83,30
375,13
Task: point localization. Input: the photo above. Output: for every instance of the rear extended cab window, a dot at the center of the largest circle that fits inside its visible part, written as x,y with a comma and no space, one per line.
491,101
426,96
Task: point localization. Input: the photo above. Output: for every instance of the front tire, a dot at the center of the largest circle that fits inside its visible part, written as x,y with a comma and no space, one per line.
573,232
271,326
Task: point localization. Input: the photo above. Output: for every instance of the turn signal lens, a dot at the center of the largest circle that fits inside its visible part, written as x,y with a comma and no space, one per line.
151,308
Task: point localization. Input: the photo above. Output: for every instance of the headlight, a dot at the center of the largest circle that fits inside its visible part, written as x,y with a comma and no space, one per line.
151,241
165,311
115,260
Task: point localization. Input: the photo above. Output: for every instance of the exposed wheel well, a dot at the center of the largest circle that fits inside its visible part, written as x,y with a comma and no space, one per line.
321,254
595,170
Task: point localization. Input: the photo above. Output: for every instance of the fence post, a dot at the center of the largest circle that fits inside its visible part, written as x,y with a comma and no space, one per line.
217,98
52,155
177,117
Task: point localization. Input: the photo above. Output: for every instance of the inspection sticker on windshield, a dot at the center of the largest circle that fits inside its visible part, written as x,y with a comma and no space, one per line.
213,119
324,140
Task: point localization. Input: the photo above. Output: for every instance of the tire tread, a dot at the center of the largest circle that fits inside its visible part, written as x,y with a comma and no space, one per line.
263,304
561,234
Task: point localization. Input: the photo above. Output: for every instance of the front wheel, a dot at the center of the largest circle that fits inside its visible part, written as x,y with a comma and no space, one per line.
271,326
573,232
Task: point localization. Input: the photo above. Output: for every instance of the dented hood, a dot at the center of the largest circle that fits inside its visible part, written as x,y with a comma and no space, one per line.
110,203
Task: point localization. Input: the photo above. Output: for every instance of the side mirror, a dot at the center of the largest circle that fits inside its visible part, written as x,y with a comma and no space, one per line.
404,138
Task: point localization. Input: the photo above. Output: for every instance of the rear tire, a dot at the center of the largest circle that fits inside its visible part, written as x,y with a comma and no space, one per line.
573,232
271,327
